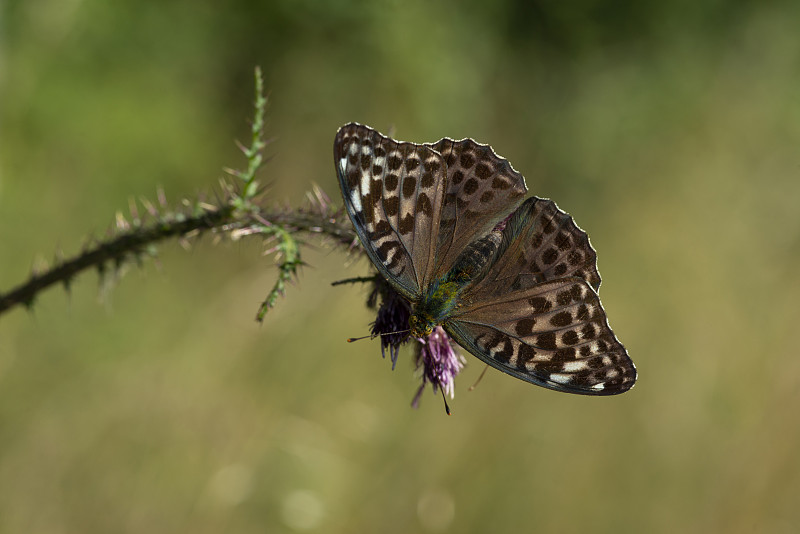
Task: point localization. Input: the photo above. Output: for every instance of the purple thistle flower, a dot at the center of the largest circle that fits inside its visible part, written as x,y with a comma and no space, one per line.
391,324
440,364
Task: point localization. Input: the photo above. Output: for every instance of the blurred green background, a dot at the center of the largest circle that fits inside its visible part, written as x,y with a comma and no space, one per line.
669,130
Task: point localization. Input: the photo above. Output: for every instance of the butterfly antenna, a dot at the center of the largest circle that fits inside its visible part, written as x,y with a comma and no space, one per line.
406,331
473,386
373,336
352,339
446,406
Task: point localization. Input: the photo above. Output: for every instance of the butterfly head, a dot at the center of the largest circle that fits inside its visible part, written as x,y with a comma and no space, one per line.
421,325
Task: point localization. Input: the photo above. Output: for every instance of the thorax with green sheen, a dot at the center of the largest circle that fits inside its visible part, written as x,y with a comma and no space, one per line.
436,305
442,297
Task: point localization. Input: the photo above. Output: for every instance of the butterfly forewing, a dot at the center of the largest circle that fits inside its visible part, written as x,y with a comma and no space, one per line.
482,189
393,194
541,243
554,334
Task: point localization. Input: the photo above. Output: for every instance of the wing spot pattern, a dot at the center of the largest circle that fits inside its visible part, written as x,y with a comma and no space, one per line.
409,186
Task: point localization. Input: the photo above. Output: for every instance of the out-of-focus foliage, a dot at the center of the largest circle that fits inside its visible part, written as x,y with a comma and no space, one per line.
669,130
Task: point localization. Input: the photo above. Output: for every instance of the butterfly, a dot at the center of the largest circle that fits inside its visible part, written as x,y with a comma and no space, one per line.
514,281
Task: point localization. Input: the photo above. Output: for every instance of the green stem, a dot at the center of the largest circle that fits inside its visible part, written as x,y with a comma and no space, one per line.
113,250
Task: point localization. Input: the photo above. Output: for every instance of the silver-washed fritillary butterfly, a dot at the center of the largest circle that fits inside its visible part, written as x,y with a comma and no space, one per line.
514,281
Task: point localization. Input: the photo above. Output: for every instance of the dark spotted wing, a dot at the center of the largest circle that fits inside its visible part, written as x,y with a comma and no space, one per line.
393,193
540,243
482,189
554,334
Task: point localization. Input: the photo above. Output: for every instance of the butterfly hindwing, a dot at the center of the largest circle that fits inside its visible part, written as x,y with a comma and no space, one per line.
541,243
393,194
554,334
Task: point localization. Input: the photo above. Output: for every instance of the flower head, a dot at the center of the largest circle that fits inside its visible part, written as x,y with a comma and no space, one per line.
391,324
440,363
436,357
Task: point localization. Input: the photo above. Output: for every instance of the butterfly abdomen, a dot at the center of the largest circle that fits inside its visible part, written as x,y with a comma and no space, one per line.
476,258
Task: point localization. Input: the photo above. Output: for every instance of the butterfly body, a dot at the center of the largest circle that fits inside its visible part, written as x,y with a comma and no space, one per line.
441,300
513,281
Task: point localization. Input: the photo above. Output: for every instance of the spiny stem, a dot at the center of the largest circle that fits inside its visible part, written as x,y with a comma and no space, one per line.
238,212
337,227
114,250
136,241
253,153
355,280
289,249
